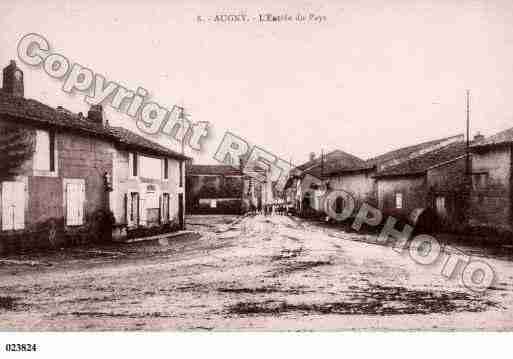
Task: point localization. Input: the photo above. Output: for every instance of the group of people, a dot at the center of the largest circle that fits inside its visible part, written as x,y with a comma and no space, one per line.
269,209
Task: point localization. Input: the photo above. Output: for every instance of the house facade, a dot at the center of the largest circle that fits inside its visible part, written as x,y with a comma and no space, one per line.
219,189
306,184
361,180
74,170
357,181
432,185
491,200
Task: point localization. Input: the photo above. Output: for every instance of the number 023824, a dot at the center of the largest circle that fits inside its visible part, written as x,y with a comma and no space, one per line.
20,347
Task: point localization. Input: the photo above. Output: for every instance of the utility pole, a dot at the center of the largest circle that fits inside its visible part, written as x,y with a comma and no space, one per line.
322,164
182,117
468,164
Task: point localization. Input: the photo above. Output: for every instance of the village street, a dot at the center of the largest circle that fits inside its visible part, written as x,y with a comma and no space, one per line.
253,273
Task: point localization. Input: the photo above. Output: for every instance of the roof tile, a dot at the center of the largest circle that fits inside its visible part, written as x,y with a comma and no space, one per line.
41,114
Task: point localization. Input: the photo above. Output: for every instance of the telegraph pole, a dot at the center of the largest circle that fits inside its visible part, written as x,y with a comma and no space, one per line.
322,164
468,169
182,117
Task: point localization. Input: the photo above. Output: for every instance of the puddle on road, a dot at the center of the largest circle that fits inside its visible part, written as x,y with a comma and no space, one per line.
288,254
262,290
375,300
300,266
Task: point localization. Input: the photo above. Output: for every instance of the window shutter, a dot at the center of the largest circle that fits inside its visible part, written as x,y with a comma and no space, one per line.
180,165
19,203
167,206
42,151
70,210
13,205
81,200
75,198
125,207
7,209
166,168
161,219
138,211
52,151
134,166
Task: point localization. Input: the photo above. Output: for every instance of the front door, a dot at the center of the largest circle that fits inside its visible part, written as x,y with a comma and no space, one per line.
180,210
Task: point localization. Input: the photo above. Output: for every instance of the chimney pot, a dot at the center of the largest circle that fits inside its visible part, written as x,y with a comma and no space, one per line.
312,156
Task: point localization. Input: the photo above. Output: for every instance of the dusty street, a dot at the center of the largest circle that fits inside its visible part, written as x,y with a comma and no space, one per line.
257,273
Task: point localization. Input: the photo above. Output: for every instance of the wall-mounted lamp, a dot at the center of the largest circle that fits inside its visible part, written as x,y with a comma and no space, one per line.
107,182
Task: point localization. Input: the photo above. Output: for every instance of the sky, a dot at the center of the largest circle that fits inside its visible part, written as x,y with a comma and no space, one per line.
374,76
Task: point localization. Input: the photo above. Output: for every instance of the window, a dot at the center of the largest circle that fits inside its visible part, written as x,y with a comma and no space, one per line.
150,167
479,180
133,164
165,207
13,205
440,206
44,155
213,203
166,168
75,200
399,200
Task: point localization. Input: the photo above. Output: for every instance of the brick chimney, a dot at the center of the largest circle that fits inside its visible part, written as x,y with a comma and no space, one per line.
13,80
95,114
312,156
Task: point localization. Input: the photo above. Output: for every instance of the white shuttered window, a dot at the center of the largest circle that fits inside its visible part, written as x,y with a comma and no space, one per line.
75,198
42,151
13,205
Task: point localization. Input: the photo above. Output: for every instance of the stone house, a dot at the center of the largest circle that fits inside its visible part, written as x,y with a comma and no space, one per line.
219,189
360,180
435,182
491,200
306,183
77,169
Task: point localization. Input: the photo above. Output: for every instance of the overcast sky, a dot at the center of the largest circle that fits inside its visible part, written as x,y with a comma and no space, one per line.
375,76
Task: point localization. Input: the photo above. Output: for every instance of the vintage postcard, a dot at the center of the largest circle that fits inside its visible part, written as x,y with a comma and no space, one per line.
255,166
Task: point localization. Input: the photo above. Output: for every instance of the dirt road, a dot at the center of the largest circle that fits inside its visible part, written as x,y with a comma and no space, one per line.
261,273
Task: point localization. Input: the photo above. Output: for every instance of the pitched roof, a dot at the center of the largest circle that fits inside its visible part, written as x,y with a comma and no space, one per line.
409,152
420,164
391,158
347,169
38,113
333,160
331,166
218,170
132,140
500,138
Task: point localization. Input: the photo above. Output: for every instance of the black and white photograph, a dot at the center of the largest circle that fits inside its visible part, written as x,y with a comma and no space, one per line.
268,167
